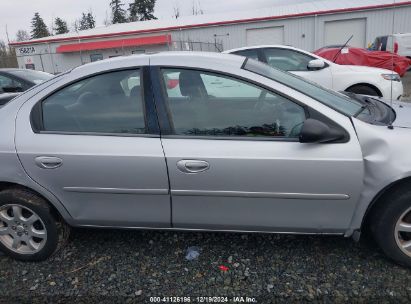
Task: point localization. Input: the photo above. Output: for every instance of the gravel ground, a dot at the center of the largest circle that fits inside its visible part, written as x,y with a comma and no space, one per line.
106,266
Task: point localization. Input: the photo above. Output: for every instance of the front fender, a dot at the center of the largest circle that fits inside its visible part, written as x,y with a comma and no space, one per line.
384,163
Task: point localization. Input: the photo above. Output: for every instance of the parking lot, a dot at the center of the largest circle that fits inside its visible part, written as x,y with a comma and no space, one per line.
104,266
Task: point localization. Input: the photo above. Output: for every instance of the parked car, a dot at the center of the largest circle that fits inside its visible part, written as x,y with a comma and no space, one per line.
399,44
362,57
242,147
14,81
6,97
356,79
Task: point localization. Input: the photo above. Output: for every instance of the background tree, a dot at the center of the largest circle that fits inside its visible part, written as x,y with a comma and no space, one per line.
38,27
141,10
107,19
119,14
8,57
85,22
196,9
176,11
90,20
22,35
60,26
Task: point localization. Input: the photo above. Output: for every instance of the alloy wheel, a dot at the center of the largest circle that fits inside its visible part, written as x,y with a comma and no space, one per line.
21,229
403,232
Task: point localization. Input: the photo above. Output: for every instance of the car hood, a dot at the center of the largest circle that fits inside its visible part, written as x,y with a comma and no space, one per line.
403,113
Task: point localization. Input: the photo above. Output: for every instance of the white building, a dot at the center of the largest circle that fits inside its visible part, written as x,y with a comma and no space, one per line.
307,25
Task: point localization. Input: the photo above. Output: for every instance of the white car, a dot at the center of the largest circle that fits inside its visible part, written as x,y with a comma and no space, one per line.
350,78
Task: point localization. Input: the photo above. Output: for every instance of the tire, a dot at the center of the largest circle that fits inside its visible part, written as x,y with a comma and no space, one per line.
28,229
385,228
364,90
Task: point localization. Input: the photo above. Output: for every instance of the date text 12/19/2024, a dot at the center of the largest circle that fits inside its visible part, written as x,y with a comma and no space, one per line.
203,300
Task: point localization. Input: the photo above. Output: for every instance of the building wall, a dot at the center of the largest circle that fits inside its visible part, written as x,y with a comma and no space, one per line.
45,56
305,32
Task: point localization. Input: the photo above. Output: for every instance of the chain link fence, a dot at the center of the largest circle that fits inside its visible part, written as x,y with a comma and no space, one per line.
196,46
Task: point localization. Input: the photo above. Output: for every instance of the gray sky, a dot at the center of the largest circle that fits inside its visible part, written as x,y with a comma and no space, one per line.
17,14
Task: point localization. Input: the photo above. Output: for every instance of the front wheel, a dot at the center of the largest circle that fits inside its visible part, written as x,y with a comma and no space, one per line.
391,226
363,90
28,229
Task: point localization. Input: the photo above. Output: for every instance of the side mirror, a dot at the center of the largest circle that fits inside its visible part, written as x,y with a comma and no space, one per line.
316,64
10,89
315,131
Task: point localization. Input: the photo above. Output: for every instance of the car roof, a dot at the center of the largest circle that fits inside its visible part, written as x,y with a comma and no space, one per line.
205,60
281,46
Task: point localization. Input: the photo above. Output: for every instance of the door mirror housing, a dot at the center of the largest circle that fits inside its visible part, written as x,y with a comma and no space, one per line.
11,89
315,131
316,64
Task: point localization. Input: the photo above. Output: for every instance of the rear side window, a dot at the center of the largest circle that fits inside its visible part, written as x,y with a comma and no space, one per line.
209,104
106,103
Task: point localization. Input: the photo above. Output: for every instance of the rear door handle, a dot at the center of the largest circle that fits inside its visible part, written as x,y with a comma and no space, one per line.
48,162
193,166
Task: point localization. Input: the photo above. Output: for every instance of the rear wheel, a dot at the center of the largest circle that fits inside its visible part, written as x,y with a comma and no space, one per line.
391,226
28,229
364,90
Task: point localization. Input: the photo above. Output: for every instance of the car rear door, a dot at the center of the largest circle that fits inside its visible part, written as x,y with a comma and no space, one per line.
235,162
94,143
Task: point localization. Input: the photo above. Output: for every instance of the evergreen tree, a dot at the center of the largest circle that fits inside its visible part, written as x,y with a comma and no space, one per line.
83,22
38,27
90,20
119,14
60,26
141,10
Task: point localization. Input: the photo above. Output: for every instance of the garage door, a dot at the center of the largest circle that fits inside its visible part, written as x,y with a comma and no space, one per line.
267,35
339,31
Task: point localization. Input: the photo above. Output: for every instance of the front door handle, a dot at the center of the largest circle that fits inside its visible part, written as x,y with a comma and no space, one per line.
48,162
193,166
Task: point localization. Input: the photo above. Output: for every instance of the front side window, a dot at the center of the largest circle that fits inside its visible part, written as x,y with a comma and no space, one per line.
208,104
106,103
287,60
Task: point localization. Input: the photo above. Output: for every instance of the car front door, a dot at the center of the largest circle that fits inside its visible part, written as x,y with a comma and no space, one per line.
94,144
297,63
235,162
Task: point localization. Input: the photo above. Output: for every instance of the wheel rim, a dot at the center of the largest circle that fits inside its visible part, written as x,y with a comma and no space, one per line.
403,232
21,229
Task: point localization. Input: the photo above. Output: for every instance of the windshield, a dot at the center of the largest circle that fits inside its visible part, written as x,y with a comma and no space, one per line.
32,76
334,100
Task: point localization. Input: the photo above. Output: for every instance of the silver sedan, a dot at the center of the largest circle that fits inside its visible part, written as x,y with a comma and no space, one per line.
197,141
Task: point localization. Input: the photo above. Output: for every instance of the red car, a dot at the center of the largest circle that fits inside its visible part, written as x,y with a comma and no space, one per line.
359,56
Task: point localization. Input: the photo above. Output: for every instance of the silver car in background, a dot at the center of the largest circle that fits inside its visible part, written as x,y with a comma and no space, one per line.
197,141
